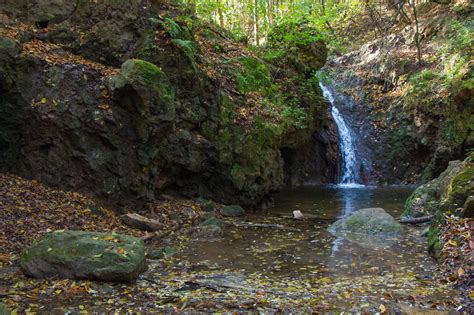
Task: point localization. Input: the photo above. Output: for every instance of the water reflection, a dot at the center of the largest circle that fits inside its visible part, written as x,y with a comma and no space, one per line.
352,198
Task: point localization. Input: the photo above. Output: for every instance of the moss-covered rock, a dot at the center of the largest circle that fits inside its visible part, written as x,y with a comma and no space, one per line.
299,44
85,255
149,80
370,221
143,88
434,242
448,192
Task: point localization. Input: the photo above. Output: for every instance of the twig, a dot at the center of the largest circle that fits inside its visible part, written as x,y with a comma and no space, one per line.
427,218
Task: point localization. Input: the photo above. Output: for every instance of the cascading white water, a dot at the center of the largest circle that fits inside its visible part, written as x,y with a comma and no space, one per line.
349,176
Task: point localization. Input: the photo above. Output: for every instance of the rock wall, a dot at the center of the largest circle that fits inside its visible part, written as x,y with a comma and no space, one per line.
128,101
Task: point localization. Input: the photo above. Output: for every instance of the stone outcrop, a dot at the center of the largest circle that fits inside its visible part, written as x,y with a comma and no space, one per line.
126,110
452,191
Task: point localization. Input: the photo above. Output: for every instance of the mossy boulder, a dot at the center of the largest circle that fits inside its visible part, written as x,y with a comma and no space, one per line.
448,192
299,44
149,81
143,88
370,221
85,255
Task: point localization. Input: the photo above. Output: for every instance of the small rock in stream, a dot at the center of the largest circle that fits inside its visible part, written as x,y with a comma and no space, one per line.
232,211
370,221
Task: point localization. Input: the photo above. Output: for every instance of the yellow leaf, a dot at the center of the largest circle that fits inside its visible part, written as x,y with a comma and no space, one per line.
81,307
382,308
453,243
58,291
44,100
461,272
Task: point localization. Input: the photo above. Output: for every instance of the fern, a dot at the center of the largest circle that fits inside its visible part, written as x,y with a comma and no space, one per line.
189,50
171,27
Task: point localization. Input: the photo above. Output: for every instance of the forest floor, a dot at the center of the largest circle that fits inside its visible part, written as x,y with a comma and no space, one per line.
289,265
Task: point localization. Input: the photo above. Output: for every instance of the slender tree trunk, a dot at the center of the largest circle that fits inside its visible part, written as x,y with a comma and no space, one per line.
270,12
220,13
417,31
257,31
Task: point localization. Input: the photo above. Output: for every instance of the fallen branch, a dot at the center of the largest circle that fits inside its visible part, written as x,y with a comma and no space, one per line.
310,217
140,222
427,218
262,225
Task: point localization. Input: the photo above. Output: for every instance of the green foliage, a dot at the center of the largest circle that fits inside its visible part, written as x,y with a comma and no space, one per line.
189,50
253,75
294,33
296,117
171,27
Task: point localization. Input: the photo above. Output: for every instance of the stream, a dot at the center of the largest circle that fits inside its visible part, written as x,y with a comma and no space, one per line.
269,262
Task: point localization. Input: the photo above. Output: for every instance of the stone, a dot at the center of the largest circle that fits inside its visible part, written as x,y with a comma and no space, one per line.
448,192
161,253
298,215
207,232
370,221
232,211
213,221
85,255
207,205
140,222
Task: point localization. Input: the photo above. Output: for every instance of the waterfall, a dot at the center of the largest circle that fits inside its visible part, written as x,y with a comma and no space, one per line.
349,174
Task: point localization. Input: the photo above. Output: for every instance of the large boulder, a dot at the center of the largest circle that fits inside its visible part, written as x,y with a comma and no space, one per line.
303,44
370,221
85,255
449,192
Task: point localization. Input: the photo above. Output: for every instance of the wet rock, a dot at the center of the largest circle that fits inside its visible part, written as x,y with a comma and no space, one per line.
162,253
207,205
232,211
370,221
85,255
213,221
207,232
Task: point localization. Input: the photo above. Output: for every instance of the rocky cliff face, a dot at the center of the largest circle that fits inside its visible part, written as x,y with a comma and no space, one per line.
412,118
128,101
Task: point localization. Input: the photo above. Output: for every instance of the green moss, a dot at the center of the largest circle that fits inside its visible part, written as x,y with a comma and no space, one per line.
434,242
143,74
461,187
422,201
85,255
